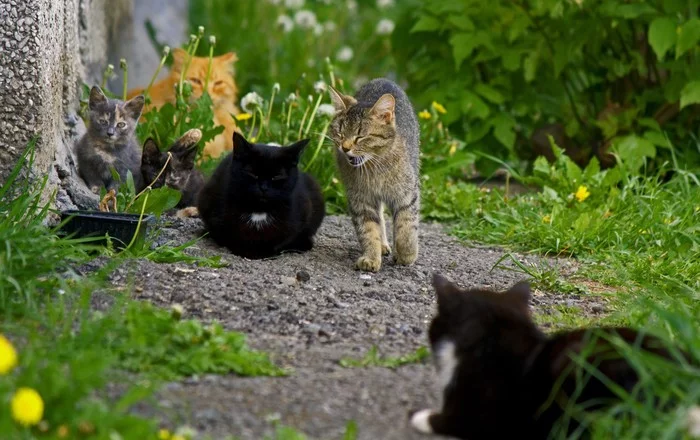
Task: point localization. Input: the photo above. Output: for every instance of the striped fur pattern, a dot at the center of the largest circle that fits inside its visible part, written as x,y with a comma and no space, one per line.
377,151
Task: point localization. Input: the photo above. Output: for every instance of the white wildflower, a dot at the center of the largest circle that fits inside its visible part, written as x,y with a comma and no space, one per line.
292,97
345,54
250,101
330,26
286,23
276,87
305,19
693,422
274,2
385,27
294,4
381,4
318,30
352,5
326,110
320,87
326,2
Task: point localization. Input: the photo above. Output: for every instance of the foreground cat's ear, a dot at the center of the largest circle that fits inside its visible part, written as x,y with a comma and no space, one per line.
446,293
340,102
240,145
296,149
521,293
134,106
97,98
383,109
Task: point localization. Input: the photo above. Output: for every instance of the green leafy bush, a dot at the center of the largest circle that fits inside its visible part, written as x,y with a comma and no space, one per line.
607,74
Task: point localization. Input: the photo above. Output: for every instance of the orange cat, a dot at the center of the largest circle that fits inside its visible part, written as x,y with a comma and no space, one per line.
222,89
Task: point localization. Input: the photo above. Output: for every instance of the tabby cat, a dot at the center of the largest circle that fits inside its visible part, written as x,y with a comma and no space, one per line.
258,204
377,138
180,172
221,87
110,142
503,378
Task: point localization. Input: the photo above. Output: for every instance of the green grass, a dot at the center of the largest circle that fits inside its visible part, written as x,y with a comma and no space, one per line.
374,359
69,352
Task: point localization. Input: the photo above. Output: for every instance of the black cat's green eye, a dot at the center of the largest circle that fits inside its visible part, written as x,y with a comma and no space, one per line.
121,125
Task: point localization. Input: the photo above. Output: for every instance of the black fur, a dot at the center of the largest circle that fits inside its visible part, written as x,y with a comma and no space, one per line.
257,179
511,380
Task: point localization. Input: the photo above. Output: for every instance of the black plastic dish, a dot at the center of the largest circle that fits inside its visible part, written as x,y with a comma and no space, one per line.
119,227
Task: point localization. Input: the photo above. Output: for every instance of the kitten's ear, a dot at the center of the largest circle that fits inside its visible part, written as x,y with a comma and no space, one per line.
296,149
97,98
134,106
446,292
340,102
521,292
179,58
383,109
151,152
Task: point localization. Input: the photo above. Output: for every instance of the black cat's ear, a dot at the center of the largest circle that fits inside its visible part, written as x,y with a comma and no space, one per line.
383,109
340,102
294,151
241,146
446,293
134,107
97,98
521,292
151,152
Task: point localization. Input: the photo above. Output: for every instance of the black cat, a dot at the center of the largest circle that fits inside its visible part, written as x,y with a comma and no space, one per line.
258,204
504,378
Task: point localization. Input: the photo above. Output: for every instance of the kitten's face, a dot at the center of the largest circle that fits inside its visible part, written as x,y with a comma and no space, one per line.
221,85
363,133
113,120
265,174
177,171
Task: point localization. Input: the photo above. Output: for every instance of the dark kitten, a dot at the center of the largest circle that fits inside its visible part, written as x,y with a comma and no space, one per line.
504,378
257,203
179,173
110,142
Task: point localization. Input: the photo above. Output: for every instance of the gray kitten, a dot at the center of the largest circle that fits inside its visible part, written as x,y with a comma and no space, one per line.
377,138
110,142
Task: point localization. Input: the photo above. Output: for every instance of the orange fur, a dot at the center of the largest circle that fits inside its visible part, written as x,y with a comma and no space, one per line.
222,89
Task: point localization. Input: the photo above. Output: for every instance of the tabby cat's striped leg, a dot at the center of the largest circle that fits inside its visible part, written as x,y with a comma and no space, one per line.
406,220
367,222
386,248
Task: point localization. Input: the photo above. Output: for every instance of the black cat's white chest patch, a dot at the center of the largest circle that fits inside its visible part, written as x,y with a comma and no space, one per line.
259,220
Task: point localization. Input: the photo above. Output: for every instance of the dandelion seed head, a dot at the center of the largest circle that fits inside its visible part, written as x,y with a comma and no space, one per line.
286,23
251,101
345,54
385,27
326,110
305,19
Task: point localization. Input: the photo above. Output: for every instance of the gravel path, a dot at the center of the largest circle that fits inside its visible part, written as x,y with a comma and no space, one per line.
310,310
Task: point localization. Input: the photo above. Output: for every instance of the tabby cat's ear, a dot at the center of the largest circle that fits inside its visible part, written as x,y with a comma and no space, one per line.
521,293
446,293
151,152
340,102
179,58
383,109
296,149
97,98
134,106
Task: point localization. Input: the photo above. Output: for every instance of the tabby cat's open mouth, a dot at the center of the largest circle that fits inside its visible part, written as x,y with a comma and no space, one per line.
357,161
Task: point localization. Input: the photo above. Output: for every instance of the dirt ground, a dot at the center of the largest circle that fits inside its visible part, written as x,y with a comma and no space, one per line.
309,325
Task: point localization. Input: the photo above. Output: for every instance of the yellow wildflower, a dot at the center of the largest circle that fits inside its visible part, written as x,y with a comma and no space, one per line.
425,114
27,407
164,434
582,193
178,437
439,107
547,219
62,431
253,140
335,181
453,148
243,116
668,220
8,356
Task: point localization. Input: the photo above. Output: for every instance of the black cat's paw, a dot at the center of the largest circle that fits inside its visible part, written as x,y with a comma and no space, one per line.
302,244
420,420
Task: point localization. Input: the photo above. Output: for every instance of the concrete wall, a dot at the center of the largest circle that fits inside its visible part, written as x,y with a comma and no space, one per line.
47,49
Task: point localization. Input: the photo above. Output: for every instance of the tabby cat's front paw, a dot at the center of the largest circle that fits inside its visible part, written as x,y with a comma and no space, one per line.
368,264
406,257
386,249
